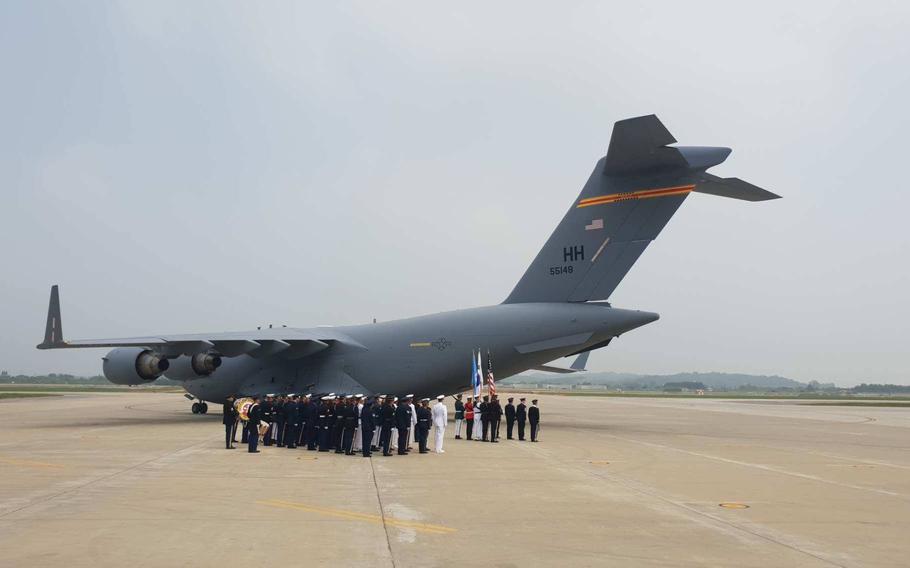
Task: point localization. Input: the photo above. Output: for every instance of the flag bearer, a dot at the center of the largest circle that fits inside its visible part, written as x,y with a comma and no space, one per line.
459,416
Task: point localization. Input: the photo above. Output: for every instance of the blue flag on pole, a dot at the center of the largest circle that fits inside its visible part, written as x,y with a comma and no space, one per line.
475,376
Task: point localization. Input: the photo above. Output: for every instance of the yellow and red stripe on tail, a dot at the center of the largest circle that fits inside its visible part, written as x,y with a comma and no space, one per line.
641,194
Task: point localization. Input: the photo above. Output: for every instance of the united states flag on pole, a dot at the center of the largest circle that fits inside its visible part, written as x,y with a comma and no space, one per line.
491,384
478,375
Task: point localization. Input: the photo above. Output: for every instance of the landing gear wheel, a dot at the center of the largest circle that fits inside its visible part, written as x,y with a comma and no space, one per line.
203,408
196,408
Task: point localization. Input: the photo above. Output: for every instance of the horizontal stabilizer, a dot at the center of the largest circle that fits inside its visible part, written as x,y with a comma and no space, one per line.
640,144
734,188
551,369
580,363
577,366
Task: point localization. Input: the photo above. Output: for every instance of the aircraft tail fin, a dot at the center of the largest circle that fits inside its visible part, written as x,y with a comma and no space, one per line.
53,330
628,199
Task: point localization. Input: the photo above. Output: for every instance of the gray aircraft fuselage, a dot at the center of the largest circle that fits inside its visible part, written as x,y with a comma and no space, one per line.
557,308
427,355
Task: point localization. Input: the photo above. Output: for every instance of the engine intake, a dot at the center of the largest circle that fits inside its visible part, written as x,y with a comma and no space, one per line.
133,366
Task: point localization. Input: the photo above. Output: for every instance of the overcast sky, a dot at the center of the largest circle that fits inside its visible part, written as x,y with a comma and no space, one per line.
192,166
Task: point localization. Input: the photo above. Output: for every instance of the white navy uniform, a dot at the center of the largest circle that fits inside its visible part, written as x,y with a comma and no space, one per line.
358,441
440,419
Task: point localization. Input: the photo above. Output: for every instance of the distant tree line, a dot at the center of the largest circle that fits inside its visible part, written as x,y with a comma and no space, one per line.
679,386
881,389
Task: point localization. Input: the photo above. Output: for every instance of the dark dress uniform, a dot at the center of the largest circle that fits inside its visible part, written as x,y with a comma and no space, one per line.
534,419
495,418
311,429
338,428
350,424
302,408
280,411
229,419
521,415
510,419
459,415
268,410
403,423
486,414
292,422
326,415
367,426
377,423
385,435
252,426
424,418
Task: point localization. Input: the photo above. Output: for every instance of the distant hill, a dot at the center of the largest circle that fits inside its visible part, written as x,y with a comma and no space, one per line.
631,381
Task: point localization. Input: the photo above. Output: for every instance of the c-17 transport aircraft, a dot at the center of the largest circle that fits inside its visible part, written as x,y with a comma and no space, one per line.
558,308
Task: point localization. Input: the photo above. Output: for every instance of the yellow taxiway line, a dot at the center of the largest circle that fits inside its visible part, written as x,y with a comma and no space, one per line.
350,515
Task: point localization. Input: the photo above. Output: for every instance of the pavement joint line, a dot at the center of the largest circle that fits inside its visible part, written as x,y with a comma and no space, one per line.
354,516
30,463
637,488
859,460
385,526
764,467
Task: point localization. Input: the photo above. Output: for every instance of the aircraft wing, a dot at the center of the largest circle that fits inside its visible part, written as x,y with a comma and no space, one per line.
289,343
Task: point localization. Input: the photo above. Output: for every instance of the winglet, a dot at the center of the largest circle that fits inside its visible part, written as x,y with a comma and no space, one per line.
53,332
580,363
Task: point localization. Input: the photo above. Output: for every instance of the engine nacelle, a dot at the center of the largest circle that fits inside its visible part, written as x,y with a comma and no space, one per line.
133,366
199,365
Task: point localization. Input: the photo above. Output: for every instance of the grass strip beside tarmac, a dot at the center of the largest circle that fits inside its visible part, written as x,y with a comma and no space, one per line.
83,388
4,395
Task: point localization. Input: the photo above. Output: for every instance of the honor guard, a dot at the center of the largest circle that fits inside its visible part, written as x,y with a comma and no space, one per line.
413,427
229,418
350,425
478,418
358,409
388,421
534,419
486,415
394,438
403,423
338,424
440,419
521,415
254,416
326,414
280,411
303,409
378,402
510,418
367,428
469,417
459,416
311,433
424,418
268,417
292,420
495,418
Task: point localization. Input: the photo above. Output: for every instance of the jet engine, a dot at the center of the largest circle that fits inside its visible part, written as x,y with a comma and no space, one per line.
193,367
133,366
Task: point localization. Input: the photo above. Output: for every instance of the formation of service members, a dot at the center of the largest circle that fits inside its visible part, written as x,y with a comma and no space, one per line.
355,424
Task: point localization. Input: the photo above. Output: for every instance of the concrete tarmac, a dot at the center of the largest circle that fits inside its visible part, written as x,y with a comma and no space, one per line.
136,479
